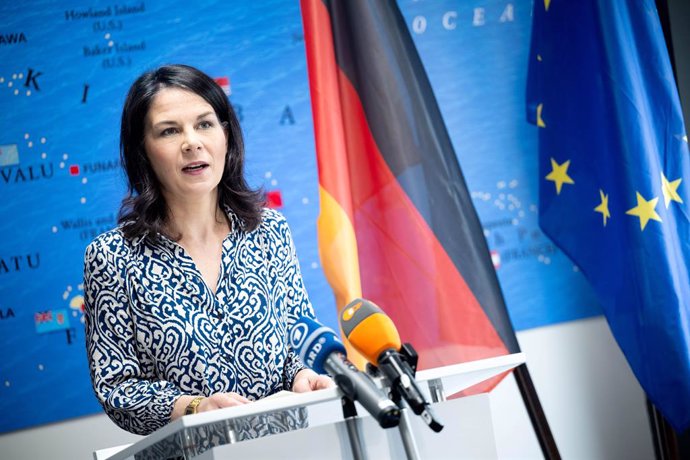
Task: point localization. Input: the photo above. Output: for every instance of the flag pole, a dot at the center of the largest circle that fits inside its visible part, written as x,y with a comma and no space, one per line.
536,414
663,436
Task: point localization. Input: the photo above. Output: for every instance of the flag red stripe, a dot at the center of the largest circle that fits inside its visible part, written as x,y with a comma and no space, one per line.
325,96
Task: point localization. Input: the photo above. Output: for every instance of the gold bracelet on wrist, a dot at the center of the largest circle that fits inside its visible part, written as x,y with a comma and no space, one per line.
193,404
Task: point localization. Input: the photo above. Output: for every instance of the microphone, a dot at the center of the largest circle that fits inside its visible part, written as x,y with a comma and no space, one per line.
320,349
372,333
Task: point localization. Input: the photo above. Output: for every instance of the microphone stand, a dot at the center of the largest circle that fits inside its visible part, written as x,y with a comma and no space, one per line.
405,429
351,422
409,443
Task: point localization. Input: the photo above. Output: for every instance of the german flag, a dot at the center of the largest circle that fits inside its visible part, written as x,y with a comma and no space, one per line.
397,225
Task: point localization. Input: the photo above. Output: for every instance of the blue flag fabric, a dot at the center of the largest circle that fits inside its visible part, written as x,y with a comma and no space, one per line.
615,176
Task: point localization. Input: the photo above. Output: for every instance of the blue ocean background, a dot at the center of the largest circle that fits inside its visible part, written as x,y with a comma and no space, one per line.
478,73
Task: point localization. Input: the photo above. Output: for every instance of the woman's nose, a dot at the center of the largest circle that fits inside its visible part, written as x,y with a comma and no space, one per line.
191,141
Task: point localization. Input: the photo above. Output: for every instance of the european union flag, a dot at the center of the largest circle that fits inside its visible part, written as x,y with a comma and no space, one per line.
614,167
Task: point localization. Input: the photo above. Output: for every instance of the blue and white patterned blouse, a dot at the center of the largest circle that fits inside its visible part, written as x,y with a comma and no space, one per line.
155,330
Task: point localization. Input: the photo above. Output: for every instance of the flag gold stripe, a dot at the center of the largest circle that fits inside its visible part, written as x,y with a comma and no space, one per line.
339,258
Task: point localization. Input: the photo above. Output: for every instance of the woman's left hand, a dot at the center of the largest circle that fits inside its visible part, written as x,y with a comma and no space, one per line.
308,380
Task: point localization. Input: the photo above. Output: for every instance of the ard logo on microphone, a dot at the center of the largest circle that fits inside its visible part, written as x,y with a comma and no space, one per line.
298,335
314,351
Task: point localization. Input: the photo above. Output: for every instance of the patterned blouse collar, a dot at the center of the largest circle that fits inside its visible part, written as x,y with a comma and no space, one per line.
236,224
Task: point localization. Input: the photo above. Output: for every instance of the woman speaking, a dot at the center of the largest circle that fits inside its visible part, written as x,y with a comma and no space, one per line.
189,301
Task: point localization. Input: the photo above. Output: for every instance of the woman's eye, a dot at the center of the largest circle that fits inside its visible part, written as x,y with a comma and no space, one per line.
168,132
205,125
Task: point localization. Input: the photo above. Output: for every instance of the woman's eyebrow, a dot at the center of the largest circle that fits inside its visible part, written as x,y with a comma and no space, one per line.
164,122
170,122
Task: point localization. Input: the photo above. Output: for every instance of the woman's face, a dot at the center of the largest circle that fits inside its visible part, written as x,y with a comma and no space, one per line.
186,145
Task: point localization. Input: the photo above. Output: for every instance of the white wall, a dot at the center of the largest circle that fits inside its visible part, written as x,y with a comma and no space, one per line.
594,405
72,440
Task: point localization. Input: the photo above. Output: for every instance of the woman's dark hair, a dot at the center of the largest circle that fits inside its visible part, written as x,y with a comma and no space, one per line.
144,210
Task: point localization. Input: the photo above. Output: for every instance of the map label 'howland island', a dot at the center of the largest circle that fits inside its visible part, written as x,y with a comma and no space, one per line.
110,11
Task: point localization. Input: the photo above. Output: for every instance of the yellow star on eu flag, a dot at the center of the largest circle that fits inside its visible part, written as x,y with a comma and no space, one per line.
603,207
644,210
670,190
559,175
540,120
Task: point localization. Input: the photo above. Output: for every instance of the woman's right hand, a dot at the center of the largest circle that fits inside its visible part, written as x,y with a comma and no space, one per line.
221,400
215,401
